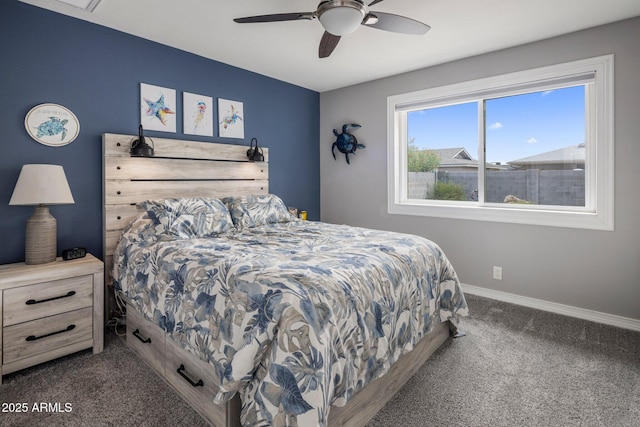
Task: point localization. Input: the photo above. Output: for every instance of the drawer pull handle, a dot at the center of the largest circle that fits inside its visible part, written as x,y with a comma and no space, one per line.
180,370
136,334
68,294
67,329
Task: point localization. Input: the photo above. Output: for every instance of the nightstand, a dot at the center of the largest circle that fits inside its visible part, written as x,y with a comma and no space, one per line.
50,310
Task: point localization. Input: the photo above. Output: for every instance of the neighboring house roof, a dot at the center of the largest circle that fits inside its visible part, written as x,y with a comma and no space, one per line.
572,154
455,157
458,157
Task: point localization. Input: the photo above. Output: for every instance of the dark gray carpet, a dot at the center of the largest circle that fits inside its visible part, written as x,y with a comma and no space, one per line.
524,367
516,367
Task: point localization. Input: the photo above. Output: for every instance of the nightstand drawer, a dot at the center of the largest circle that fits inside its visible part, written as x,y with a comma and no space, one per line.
44,335
46,299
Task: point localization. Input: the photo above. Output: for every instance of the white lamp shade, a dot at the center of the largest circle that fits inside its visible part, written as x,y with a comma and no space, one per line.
41,185
341,21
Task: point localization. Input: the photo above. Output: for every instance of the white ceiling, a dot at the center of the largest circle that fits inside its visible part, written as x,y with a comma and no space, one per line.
288,51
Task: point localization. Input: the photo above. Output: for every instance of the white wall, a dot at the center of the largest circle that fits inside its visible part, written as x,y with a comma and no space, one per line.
592,270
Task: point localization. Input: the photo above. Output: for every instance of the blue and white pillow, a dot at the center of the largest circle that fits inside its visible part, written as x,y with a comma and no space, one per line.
257,210
187,218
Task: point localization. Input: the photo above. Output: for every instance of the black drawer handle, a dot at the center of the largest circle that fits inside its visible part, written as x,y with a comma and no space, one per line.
68,294
136,334
189,380
33,337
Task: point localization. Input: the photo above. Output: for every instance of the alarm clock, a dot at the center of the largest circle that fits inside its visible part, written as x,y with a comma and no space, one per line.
75,253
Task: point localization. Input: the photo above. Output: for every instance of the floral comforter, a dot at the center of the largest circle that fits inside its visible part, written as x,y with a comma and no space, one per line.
294,316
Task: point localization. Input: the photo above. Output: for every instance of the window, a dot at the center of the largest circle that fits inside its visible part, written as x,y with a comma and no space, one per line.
533,147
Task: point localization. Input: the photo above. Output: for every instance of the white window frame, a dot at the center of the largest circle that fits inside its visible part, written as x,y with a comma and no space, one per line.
598,212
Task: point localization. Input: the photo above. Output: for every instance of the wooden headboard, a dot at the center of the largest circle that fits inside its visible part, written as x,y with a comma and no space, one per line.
178,169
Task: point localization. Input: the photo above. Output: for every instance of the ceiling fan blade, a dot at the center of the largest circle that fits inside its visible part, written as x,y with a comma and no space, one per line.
327,44
374,2
276,17
395,23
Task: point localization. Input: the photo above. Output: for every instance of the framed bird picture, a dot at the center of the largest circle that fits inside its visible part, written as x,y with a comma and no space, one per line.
230,119
198,114
157,108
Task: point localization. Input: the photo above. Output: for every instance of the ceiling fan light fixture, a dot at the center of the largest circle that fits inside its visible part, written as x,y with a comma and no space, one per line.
341,17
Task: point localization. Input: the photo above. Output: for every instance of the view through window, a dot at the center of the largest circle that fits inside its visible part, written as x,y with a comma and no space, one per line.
534,149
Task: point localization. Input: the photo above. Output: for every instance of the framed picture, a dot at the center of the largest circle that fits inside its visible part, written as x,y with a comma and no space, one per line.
230,119
157,108
52,125
198,114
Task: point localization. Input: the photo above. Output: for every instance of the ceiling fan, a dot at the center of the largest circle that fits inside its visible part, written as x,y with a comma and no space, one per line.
342,17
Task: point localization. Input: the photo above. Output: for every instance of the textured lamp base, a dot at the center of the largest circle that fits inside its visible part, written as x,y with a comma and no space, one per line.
40,245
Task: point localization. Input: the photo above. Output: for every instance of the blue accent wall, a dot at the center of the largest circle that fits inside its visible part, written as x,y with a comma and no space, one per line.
96,73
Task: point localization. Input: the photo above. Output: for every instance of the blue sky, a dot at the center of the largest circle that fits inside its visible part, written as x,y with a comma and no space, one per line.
517,126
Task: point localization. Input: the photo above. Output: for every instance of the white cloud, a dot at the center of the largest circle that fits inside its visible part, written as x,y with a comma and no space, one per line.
547,92
496,126
532,141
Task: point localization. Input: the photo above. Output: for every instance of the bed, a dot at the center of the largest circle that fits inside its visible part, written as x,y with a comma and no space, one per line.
256,317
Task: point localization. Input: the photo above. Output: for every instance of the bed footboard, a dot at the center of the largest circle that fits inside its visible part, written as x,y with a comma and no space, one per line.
192,378
363,406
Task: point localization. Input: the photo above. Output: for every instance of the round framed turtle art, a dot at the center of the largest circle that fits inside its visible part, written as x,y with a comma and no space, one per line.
52,125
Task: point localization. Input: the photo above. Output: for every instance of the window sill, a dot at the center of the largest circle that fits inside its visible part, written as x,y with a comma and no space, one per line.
506,214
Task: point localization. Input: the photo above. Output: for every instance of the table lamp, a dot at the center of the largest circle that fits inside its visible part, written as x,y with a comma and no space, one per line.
41,185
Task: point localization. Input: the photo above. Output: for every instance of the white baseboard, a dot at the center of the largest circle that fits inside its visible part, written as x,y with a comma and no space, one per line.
567,310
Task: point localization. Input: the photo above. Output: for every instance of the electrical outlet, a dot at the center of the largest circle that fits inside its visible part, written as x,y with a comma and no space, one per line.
497,273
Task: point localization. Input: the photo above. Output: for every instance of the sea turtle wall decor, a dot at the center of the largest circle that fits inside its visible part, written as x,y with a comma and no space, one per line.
52,127
346,143
52,124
